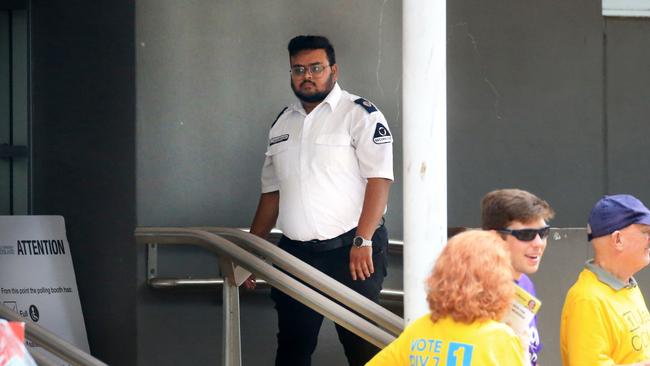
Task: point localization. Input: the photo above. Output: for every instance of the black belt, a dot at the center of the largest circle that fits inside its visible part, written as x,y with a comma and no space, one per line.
340,241
343,240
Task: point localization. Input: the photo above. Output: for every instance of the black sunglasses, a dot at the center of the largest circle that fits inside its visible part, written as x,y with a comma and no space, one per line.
527,234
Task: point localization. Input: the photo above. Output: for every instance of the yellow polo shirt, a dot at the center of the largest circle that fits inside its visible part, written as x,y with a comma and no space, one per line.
604,321
447,342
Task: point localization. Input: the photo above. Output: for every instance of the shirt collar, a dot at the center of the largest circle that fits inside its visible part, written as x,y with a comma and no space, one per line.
608,278
332,99
334,96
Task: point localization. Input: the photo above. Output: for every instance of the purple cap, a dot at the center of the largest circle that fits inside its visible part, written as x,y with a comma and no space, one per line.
616,212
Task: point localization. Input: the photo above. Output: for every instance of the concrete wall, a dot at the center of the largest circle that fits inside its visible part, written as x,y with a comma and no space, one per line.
525,104
626,77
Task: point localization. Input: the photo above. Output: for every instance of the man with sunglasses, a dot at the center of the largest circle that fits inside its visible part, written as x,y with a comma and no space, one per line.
605,320
325,181
522,219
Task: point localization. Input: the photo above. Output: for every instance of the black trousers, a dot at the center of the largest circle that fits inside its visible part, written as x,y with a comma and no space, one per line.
298,325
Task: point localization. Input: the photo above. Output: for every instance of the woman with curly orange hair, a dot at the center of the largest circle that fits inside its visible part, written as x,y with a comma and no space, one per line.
470,289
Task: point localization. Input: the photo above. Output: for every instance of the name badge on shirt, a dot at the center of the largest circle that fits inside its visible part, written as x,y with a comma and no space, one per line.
278,139
382,136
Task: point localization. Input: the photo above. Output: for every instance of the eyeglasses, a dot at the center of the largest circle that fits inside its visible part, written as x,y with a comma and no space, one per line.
527,234
315,69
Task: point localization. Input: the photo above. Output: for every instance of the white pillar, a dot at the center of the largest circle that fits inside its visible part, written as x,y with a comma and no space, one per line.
424,97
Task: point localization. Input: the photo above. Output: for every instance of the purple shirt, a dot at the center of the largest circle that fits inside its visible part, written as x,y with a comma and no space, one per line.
535,343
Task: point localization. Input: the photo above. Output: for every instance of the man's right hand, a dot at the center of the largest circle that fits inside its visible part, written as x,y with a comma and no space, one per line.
249,283
263,222
361,263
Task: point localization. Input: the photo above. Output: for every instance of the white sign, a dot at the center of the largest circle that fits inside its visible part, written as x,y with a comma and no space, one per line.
626,8
37,278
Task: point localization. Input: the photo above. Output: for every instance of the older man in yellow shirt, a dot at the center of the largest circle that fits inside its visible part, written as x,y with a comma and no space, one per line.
605,320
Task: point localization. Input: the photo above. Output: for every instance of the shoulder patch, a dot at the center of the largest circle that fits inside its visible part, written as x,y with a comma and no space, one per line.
278,139
369,107
382,135
278,117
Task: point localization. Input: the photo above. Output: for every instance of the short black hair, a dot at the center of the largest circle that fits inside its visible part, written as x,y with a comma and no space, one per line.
301,43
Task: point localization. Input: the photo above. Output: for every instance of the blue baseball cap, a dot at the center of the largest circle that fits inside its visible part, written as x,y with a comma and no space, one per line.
616,212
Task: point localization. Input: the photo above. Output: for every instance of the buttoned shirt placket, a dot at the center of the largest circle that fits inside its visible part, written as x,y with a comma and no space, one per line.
303,159
319,115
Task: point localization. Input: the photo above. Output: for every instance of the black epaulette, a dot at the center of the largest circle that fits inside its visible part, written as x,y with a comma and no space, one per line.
369,107
278,117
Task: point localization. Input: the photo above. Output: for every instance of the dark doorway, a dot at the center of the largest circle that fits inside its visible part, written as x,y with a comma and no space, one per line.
14,121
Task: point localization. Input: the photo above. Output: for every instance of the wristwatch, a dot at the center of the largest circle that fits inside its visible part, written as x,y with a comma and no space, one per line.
360,242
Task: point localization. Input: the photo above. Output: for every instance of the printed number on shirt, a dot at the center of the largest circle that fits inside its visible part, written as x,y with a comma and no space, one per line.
460,354
428,352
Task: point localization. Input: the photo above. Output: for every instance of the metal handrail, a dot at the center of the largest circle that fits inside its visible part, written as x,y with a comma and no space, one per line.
170,283
345,295
215,282
51,342
275,277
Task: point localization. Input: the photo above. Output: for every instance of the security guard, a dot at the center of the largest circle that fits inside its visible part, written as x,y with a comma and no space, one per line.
325,184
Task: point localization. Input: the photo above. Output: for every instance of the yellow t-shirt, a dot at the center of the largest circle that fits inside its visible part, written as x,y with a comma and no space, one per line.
449,343
602,326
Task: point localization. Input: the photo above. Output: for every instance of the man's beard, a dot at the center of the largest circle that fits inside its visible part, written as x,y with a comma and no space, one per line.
316,97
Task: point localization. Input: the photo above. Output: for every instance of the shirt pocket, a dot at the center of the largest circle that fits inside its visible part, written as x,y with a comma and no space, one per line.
335,153
280,159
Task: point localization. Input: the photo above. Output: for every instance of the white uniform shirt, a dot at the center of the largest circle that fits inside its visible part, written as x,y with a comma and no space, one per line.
320,163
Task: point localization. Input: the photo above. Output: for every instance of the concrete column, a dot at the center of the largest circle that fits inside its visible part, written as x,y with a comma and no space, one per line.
425,145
